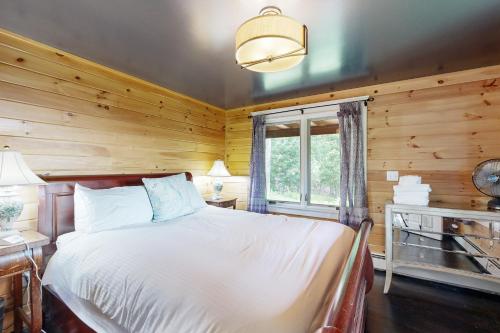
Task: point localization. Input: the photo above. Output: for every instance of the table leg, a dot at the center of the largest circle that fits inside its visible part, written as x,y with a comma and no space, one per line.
36,294
388,248
18,302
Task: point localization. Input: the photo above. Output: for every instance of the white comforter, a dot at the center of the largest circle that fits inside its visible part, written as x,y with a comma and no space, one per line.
216,270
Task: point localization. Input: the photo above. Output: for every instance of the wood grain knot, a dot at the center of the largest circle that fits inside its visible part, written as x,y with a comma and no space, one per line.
436,156
492,84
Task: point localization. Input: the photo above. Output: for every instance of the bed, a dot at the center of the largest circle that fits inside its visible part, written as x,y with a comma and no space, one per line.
215,270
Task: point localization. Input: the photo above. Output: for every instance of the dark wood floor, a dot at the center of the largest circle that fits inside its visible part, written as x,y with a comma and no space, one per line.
419,306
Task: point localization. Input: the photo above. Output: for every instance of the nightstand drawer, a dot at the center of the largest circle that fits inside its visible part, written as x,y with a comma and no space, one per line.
14,263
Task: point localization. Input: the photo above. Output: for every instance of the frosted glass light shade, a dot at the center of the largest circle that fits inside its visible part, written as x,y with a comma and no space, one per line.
270,42
14,171
219,170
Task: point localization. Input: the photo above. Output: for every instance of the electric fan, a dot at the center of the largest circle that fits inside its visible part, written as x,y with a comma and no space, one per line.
486,178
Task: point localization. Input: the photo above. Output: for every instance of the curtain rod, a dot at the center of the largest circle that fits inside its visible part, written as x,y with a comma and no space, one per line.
312,106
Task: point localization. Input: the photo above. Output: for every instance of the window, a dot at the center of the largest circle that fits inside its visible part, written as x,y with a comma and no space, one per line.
283,162
324,162
303,162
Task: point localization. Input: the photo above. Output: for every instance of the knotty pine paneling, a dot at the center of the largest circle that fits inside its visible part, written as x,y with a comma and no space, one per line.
68,115
439,127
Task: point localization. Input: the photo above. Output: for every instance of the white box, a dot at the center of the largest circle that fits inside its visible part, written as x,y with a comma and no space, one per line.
392,176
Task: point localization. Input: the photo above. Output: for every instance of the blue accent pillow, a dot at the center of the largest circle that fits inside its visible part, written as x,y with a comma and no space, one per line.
168,197
195,198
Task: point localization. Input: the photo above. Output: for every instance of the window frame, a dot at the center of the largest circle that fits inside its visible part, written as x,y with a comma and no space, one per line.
304,207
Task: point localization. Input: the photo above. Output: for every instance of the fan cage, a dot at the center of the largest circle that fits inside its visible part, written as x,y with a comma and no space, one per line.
476,174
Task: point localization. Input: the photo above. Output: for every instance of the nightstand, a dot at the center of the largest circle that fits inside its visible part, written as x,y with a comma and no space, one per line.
223,203
13,262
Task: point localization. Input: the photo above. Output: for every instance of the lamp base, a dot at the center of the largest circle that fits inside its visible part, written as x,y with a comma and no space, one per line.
216,196
218,185
7,233
11,206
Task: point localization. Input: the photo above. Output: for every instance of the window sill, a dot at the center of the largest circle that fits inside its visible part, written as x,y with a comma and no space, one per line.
311,211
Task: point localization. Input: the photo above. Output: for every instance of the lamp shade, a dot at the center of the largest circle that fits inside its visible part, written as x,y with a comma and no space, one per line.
219,170
14,171
270,42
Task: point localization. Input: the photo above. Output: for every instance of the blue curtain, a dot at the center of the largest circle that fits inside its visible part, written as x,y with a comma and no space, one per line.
353,196
257,194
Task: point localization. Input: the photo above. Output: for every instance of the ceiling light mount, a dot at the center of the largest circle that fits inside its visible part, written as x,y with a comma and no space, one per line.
270,10
270,42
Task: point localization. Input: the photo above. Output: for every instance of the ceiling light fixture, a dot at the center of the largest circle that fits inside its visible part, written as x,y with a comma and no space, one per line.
270,42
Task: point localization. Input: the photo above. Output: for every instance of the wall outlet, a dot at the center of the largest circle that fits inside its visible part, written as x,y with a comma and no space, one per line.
392,176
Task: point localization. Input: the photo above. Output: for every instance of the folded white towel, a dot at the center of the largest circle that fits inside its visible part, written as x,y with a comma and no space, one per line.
411,195
411,198
412,201
410,180
412,188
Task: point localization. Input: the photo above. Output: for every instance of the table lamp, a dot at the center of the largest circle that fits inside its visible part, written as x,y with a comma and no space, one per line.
13,172
218,170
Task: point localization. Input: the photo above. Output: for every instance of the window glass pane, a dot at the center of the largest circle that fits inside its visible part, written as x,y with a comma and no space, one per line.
283,161
324,162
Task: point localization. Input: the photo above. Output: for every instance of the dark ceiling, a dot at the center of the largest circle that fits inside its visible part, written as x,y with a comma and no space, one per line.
188,45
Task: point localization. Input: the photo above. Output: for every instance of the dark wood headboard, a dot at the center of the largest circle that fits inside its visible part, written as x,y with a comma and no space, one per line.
55,213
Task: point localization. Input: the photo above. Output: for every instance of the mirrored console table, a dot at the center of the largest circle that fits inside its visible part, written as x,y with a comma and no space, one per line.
453,245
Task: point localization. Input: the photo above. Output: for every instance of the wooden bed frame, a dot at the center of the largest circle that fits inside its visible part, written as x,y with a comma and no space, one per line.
346,310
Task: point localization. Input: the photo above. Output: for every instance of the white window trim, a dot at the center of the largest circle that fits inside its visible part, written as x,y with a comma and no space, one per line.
326,212
320,111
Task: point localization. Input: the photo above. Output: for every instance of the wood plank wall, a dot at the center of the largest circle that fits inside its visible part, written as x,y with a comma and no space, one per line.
439,127
68,115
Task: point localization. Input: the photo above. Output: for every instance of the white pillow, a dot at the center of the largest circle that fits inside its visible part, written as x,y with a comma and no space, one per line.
105,209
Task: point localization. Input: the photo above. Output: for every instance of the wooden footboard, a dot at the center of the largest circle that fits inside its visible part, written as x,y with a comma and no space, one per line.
347,308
